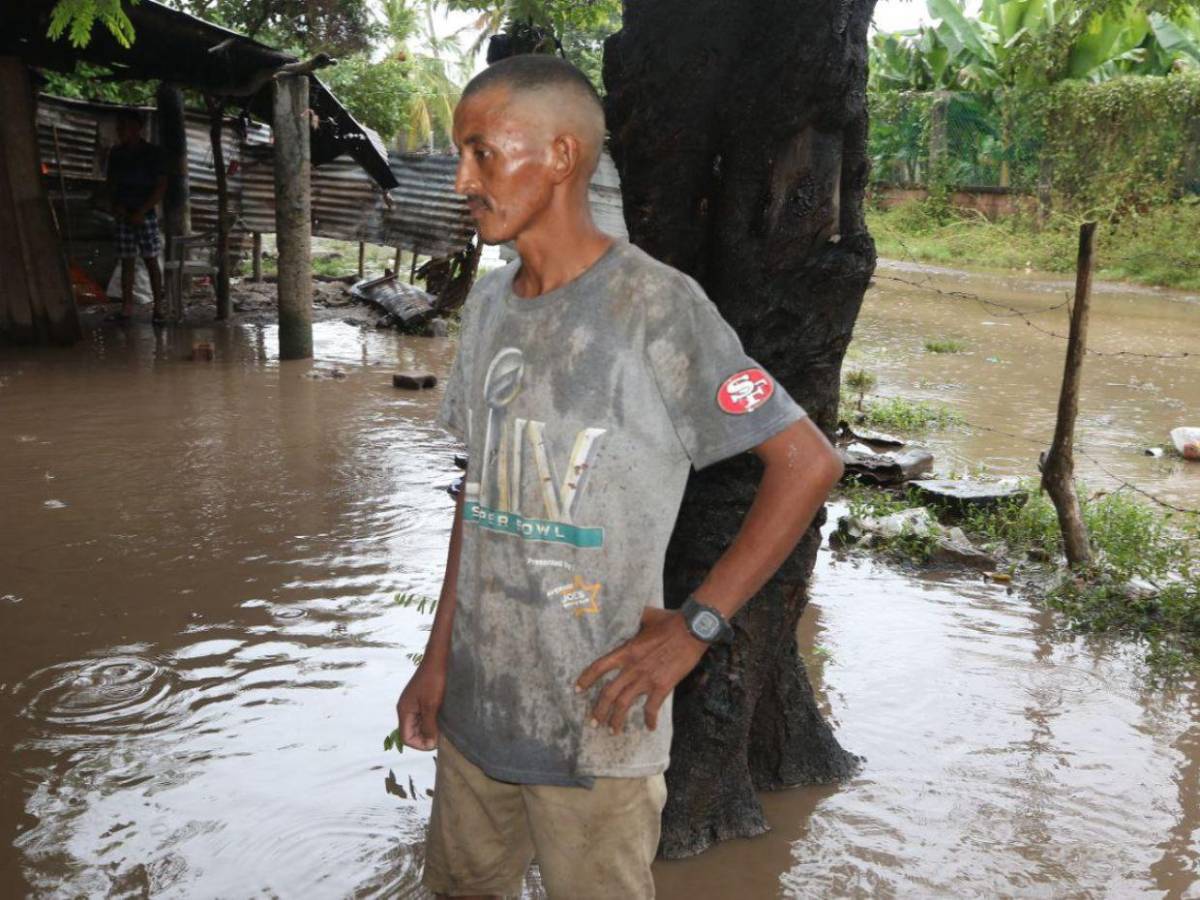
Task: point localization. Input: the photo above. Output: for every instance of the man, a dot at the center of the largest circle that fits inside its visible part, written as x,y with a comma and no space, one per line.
137,180
589,379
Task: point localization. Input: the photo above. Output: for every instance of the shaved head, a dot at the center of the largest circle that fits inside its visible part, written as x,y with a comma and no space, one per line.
553,90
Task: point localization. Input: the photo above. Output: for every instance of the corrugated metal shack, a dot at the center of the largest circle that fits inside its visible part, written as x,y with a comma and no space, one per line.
175,50
421,213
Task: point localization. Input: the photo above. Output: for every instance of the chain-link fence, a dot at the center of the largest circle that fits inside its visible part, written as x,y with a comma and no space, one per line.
1133,141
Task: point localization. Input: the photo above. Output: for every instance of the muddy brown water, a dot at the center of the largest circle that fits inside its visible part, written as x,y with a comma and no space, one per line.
201,650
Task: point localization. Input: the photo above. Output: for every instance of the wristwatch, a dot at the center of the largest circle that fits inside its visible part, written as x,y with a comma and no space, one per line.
705,623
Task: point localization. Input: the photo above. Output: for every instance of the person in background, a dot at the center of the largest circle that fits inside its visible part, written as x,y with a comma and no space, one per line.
137,180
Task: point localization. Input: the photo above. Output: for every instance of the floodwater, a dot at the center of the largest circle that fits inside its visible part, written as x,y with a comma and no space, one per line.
1140,380
201,651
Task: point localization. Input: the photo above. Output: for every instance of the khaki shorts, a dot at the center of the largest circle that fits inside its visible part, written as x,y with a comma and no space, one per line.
589,843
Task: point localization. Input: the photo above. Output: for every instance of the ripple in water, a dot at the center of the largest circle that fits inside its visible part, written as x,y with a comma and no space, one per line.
119,694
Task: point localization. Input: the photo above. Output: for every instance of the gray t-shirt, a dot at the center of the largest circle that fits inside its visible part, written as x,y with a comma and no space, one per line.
583,410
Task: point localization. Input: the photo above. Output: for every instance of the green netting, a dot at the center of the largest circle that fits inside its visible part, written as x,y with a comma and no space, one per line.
1127,142
960,139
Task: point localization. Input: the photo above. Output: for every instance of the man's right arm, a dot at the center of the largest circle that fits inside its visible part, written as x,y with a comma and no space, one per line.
421,699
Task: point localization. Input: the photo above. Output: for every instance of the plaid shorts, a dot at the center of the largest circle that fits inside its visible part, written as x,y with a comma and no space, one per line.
139,240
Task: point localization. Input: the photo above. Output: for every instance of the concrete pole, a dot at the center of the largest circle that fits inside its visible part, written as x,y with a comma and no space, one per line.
216,126
293,216
177,202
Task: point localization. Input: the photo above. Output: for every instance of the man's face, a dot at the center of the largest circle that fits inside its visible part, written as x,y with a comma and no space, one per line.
505,163
128,131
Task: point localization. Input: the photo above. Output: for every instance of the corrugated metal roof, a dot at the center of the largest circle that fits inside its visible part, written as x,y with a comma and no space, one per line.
177,47
424,213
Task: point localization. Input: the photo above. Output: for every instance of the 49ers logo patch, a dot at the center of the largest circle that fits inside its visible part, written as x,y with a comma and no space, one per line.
745,391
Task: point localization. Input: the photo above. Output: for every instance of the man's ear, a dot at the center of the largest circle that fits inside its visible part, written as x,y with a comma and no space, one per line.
567,152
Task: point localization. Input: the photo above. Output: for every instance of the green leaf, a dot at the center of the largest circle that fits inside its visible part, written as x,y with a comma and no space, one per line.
1173,38
957,30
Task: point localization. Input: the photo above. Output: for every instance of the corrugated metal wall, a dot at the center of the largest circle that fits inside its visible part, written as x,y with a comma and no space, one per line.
422,214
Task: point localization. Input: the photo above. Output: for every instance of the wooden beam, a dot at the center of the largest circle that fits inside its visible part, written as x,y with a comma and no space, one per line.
293,215
256,257
362,258
36,303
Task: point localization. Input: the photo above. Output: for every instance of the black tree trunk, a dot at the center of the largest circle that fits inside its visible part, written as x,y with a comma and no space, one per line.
739,130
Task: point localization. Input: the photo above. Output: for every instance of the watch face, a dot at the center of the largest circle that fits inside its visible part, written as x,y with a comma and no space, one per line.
706,625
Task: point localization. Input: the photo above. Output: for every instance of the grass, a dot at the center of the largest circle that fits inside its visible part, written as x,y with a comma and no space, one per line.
890,413
1143,582
909,416
945,345
1157,247
334,259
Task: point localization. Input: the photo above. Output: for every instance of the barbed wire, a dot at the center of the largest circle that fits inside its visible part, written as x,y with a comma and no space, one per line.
1013,311
1125,483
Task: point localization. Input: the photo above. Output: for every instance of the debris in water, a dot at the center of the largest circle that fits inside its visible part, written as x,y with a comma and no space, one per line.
1187,442
959,495
892,467
405,305
414,381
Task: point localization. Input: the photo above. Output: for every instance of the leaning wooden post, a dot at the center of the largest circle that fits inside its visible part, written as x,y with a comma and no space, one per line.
362,258
293,216
256,257
1058,468
216,124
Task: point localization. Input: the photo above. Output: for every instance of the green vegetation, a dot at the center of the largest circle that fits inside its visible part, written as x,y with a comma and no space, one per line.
861,382
1144,582
945,345
1154,247
899,414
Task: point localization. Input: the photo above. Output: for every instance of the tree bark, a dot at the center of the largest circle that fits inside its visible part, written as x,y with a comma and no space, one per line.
739,131
1058,468
293,216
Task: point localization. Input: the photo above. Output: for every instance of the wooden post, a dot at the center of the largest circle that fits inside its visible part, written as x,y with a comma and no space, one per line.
293,216
36,303
256,257
177,203
1058,468
396,265
216,123
412,270
362,257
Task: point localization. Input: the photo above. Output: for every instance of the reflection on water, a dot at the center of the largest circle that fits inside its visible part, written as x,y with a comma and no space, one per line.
201,652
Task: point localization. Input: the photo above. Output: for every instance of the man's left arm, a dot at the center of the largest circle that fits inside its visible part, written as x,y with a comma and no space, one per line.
800,468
